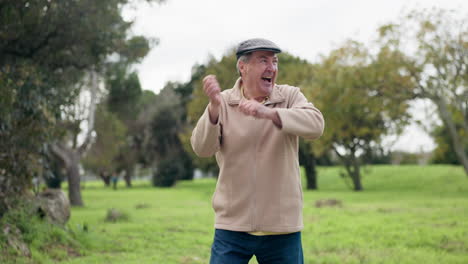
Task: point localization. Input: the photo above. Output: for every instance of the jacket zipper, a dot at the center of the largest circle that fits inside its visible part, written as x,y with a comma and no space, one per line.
254,223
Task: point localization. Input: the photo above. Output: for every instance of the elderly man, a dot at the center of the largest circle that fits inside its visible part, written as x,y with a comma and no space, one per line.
253,130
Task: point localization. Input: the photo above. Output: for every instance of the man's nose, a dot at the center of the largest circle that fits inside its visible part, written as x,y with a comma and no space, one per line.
271,66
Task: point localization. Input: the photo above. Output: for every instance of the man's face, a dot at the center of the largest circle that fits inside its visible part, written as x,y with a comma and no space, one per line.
259,73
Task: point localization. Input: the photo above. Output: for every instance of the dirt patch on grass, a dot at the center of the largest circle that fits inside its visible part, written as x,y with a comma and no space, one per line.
389,210
345,255
115,215
328,203
454,246
450,225
142,206
187,260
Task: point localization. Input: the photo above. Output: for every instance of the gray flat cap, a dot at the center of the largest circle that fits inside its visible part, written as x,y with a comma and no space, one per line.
251,45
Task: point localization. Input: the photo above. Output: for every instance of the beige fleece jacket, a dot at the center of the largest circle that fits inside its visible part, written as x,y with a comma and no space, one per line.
259,185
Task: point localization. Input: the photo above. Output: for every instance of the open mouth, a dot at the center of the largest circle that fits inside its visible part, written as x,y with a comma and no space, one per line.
267,79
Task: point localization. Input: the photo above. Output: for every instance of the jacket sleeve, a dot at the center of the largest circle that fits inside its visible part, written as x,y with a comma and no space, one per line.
301,118
205,138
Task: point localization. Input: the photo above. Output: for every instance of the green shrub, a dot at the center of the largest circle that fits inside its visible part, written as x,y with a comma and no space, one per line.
167,173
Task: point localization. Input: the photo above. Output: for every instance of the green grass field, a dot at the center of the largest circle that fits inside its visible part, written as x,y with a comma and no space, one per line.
406,214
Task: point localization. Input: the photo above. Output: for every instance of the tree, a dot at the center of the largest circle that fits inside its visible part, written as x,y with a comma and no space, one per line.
438,66
362,97
38,67
124,94
445,152
124,101
46,49
162,146
110,138
68,149
147,103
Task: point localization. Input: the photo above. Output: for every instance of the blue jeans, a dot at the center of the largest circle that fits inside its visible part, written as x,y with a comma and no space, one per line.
230,247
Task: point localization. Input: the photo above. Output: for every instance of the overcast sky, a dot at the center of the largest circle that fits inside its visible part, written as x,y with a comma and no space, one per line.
189,31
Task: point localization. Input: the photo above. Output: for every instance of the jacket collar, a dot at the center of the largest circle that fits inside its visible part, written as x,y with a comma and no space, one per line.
235,96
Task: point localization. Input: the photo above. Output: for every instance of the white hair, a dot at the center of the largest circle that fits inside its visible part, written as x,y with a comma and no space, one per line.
244,58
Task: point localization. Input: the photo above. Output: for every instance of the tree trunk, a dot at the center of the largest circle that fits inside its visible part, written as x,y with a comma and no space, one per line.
128,176
352,167
71,160
458,144
311,175
74,181
356,176
307,160
311,172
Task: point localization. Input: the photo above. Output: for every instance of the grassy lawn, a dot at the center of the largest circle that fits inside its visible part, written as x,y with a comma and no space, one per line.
406,214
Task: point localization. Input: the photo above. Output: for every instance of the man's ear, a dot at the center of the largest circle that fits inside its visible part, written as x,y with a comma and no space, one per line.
242,67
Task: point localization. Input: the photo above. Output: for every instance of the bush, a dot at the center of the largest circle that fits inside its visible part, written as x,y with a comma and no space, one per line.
168,172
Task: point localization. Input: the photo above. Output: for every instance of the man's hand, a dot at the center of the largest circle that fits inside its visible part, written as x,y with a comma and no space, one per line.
213,91
258,110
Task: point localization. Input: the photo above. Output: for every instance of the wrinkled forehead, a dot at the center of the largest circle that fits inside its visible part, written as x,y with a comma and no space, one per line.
264,54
